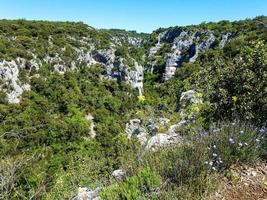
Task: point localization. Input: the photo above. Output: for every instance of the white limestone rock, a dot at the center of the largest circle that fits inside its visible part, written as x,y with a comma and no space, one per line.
163,140
9,73
189,97
134,128
85,193
90,118
118,174
225,38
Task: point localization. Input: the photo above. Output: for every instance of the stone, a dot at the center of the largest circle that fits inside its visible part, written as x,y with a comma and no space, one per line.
164,121
90,118
134,128
85,193
151,127
186,46
118,174
162,140
60,68
189,97
173,128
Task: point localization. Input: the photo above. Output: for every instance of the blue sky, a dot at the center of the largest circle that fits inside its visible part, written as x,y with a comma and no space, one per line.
140,15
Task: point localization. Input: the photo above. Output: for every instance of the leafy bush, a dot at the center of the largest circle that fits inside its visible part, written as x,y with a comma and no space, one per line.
142,185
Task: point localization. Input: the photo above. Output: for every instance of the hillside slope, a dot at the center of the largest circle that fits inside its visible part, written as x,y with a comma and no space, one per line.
129,115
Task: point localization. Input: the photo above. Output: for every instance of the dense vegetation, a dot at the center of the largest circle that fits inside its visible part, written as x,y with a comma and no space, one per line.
45,146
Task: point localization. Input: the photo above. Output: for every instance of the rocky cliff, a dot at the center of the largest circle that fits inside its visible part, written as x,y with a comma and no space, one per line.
26,47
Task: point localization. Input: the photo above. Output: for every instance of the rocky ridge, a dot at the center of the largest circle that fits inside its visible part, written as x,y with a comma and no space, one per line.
185,45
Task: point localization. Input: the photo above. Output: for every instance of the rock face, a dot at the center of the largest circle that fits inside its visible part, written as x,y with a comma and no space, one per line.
225,38
86,55
9,73
154,50
186,45
87,194
180,45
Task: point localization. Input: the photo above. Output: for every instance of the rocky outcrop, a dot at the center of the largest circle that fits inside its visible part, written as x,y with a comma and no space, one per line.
186,46
190,98
9,74
225,38
104,56
150,135
134,75
154,50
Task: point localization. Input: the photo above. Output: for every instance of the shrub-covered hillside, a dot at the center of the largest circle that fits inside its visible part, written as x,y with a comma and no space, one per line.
112,114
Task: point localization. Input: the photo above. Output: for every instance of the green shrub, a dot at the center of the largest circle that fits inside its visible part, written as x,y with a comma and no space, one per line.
142,185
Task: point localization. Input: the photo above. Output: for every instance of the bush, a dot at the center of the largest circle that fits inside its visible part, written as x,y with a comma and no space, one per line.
142,185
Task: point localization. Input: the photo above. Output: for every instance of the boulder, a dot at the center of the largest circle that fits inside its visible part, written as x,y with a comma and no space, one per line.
85,193
151,127
134,128
189,97
163,140
118,174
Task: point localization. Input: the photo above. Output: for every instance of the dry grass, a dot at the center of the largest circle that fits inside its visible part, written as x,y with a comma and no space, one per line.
244,183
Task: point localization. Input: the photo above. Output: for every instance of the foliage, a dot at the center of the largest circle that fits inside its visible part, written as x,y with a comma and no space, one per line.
142,185
188,169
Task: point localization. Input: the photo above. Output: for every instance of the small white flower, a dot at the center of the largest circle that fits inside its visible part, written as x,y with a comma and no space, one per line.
246,144
210,163
214,155
240,144
206,162
257,140
241,132
214,146
213,168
